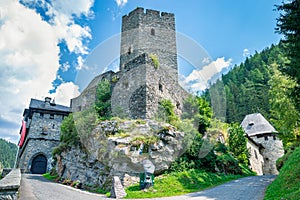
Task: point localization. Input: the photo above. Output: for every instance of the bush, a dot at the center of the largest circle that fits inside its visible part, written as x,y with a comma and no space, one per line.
166,112
237,143
154,59
103,96
280,162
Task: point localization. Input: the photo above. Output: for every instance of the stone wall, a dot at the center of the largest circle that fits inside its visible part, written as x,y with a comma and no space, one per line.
88,96
35,147
42,136
149,32
273,149
10,185
256,159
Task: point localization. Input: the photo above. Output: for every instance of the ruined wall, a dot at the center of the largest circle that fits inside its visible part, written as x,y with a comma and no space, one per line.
88,96
142,86
273,149
256,159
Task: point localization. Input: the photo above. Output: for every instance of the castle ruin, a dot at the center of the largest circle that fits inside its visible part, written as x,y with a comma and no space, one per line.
148,68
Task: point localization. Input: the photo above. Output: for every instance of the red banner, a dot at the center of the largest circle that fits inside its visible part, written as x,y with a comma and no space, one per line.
23,133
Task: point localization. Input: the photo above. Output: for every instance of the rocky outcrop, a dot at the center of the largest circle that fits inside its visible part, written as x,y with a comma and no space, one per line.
118,148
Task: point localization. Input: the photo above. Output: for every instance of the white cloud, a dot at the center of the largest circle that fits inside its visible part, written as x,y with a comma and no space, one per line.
198,80
246,52
65,92
121,2
65,67
29,53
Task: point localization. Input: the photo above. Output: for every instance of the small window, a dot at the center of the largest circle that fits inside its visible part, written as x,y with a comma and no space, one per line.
53,126
51,116
160,87
274,137
266,138
255,153
125,85
177,105
41,115
129,50
267,158
152,31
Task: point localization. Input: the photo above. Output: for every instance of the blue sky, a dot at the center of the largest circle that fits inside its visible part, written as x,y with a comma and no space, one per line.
44,43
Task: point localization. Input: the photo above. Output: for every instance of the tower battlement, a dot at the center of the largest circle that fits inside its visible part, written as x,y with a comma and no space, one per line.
148,17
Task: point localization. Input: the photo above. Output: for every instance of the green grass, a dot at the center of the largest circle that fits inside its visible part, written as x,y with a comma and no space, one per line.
178,183
49,177
287,185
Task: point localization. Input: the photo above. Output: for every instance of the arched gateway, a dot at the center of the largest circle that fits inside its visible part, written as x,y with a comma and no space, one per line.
39,164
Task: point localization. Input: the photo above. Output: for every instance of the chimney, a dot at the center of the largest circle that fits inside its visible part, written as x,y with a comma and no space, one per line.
47,101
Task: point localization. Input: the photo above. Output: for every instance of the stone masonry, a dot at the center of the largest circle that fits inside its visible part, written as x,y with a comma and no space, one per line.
261,132
43,121
140,85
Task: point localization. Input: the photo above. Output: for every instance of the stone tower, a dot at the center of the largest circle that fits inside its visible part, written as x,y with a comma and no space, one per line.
148,68
264,135
43,120
147,37
149,32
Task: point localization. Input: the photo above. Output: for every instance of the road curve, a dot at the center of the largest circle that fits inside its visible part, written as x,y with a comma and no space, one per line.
36,187
250,188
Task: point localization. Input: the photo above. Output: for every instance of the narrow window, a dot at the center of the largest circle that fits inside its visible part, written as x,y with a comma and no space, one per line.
53,126
125,85
160,87
266,138
51,116
274,137
41,115
129,50
255,153
177,104
152,31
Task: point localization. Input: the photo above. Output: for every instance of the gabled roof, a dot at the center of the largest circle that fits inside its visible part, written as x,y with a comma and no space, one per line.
38,104
256,124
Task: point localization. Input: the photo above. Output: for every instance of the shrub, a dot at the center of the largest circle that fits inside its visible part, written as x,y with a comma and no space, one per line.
166,112
103,95
154,59
237,143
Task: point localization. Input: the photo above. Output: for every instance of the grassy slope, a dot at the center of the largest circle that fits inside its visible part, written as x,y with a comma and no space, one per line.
287,185
180,183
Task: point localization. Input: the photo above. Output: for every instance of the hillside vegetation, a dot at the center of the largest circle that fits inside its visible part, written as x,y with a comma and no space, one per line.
8,152
287,185
258,85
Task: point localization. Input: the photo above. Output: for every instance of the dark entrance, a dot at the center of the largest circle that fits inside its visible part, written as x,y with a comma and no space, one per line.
39,165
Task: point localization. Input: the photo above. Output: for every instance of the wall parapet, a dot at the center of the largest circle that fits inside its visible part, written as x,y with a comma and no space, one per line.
10,185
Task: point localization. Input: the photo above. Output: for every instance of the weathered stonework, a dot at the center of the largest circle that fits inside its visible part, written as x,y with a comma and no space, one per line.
43,121
256,159
273,149
10,184
263,133
141,84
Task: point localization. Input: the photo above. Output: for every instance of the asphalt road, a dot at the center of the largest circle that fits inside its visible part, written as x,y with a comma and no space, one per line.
36,187
249,188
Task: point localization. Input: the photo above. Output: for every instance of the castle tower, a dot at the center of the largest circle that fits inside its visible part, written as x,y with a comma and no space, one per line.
148,65
149,32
